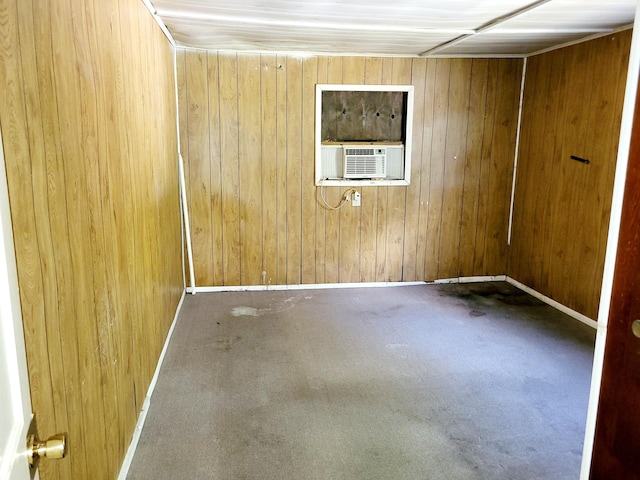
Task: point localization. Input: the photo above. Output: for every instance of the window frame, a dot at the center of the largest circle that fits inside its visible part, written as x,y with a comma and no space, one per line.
408,89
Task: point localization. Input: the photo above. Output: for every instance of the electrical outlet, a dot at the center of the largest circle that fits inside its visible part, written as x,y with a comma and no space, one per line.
355,200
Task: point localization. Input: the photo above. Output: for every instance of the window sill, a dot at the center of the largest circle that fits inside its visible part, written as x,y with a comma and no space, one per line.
361,183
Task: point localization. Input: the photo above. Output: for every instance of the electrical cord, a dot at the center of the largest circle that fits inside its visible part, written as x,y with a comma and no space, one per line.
343,200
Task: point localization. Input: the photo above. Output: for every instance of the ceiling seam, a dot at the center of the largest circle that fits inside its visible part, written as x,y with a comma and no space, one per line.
613,31
486,27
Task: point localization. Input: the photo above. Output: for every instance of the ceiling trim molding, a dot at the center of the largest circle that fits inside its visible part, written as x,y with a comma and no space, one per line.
581,40
310,54
486,27
163,27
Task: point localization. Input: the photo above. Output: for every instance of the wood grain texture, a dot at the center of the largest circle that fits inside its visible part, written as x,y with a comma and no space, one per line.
412,205
428,131
90,142
443,225
320,217
215,166
199,170
268,98
281,171
181,70
250,169
435,178
293,171
485,170
455,159
309,204
501,169
473,167
230,187
572,106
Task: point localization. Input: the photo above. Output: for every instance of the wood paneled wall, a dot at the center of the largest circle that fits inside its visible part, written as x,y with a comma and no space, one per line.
572,106
88,118
247,130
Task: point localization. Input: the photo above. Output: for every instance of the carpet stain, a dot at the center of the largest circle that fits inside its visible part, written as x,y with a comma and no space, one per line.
489,294
284,305
225,343
245,312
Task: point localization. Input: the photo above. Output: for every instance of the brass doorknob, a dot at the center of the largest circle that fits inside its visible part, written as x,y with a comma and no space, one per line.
635,328
53,447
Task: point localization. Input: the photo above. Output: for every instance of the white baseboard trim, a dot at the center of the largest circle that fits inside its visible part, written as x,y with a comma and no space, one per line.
126,464
486,278
306,286
557,305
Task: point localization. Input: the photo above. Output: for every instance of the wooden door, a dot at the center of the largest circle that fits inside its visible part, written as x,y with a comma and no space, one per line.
616,453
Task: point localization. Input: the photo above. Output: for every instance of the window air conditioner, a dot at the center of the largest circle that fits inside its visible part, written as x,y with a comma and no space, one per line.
364,161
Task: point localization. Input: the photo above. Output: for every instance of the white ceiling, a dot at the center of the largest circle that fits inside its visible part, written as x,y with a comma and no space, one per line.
390,27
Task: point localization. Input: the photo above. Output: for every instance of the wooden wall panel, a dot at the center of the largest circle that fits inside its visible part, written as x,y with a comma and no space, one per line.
452,219
268,98
428,131
455,159
485,170
572,106
435,178
200,171
410,247
215,165
309,204
293,229
90,141
473,167
500,173
250,170
604,126
320,217
228,158
281,172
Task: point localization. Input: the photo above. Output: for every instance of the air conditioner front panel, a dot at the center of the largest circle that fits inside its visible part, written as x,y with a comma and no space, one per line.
365,162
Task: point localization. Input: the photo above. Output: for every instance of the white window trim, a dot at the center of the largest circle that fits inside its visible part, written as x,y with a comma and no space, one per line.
408,89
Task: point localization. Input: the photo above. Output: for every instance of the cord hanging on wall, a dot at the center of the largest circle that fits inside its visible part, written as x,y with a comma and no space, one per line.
343,199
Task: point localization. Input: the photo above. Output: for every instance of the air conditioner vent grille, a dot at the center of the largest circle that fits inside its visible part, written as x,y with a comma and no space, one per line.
365,162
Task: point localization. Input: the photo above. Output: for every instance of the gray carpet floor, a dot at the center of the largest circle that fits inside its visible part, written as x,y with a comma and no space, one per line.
456,382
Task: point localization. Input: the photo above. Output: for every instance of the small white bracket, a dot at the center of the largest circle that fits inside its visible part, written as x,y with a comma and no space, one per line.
355,199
